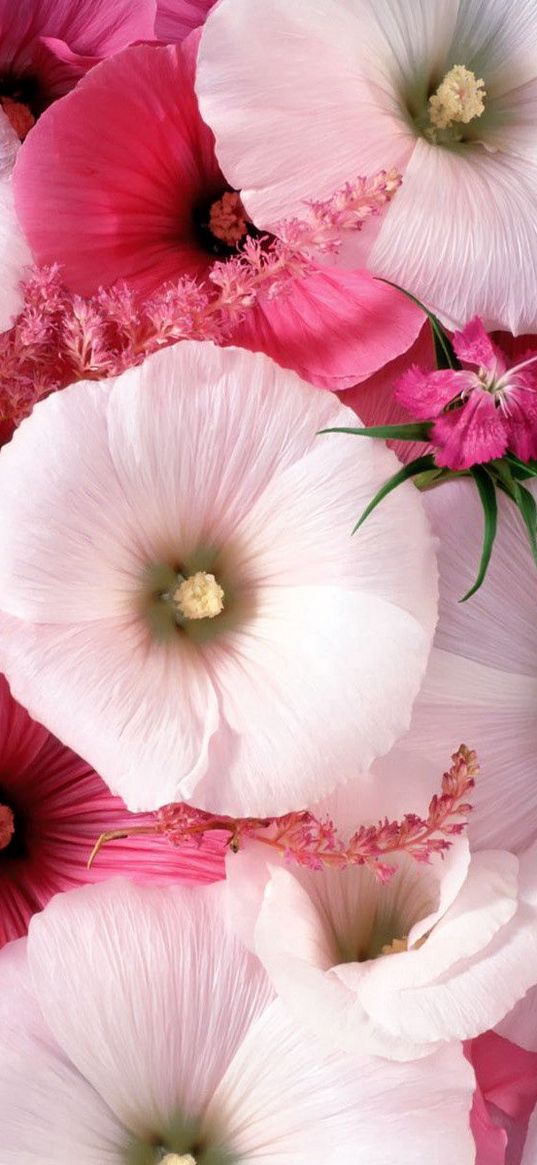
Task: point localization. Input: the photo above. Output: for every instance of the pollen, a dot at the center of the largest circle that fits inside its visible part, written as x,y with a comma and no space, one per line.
7,826
459,98
178,1159
227,219
396,947
199,597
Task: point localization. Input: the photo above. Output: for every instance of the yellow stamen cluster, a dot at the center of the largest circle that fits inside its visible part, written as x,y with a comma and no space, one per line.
459,98
396,947
177,1159
200,596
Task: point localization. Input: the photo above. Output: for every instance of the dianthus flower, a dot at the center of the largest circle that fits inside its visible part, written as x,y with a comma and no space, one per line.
136,1030
133,191
440,952
183,601
302,96
480,412
52,808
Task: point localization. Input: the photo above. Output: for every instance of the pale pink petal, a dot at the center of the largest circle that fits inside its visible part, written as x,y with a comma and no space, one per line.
15,255
424,394
474,346
471,434
481,684
443,186
286,1100
529,1156
283,62
209,448
334,328
176,18
159,1024
49,1111
520,1026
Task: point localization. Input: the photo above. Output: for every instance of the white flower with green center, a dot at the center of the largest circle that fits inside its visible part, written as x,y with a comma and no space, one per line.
305,96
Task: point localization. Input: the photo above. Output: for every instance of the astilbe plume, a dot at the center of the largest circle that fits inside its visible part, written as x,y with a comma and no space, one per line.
306,840
60,337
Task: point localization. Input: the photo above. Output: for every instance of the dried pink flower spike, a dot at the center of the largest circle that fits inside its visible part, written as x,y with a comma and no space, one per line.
307,841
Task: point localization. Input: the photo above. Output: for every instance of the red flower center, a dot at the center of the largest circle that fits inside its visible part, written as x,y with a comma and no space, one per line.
7,826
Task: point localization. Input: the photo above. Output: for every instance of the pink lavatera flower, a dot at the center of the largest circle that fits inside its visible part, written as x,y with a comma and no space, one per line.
441,952
47,45
180,1054
139,195
53,806
176,560
303,96
480,412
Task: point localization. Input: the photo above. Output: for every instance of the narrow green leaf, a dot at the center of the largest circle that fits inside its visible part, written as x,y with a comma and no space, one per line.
443,348
419,465
521,469
528,509
419,431
487,494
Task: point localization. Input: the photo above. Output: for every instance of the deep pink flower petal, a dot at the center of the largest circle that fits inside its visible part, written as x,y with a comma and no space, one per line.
506,1095
473,345
119,203
472,434
176,18
521,422
334,328
424,394
58,67
94,27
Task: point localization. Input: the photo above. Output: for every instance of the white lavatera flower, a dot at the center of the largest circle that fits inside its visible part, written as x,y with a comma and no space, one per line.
441,952
135,1029
303,97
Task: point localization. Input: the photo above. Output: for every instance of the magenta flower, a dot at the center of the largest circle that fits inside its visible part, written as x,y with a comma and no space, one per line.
47,45
120,181
479,412
53,806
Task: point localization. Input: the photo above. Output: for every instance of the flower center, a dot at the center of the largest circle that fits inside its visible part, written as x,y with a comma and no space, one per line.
459,99
7,826
20,101
396,947
227,219
19,114
199,597
177,1159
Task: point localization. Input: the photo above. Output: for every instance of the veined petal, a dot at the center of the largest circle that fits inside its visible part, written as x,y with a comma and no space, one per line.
424,394
474,433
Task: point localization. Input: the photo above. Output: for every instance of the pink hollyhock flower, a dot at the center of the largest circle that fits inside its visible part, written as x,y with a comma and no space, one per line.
179,1054
184,602
150,204
441,952
303,96
176,18
480,413
481,680
47,45
53,807
506,1093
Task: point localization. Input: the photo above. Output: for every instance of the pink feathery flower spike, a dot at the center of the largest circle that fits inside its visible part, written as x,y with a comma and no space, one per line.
480,411
304,839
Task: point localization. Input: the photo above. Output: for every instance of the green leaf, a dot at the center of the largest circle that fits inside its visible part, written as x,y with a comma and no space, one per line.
526,504
419,431
487,493
521,469
443,348
419,465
